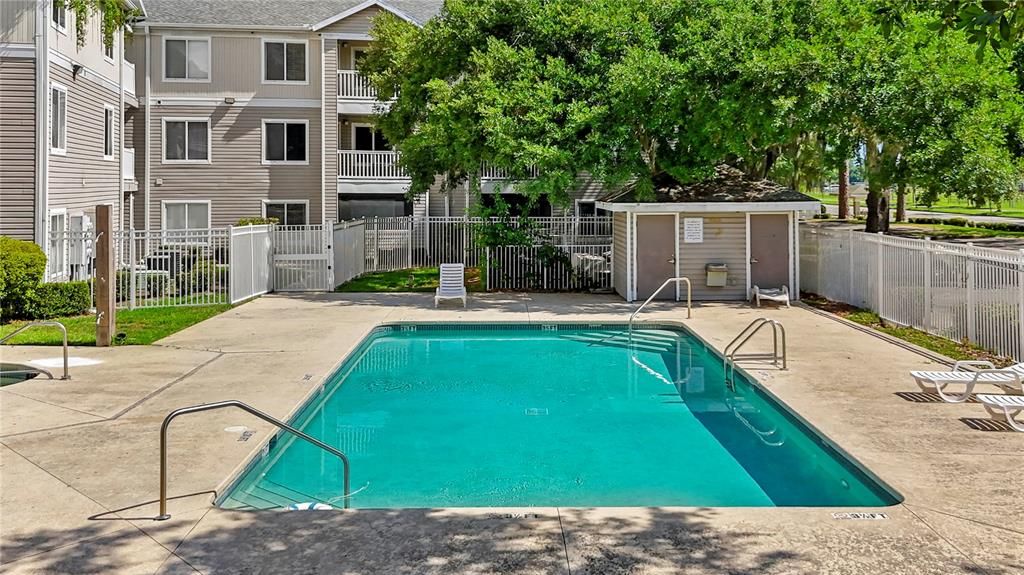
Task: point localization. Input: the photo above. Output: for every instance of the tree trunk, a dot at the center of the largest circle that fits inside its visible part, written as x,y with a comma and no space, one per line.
874,199
844,190
901,202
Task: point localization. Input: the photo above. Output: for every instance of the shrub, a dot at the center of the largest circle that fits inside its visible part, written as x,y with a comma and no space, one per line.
257,221
22,265
205,276
60,299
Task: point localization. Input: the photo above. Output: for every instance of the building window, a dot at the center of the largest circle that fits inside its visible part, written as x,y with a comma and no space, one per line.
287,213
352,206
365,137
59,17
357,56
186,222
58,119
285,141
186,140
108,133
187,59
284,61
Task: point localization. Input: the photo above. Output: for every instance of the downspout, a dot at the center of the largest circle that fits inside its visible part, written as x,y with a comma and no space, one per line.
42,122
323,131
148,135
120,130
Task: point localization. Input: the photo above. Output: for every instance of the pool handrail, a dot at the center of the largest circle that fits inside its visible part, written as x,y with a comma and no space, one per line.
64,334
689,298
778,332
163,516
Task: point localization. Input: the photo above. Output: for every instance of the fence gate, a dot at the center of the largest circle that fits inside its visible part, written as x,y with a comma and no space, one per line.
303,258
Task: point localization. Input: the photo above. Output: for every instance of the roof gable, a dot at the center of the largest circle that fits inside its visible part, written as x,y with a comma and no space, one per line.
359,8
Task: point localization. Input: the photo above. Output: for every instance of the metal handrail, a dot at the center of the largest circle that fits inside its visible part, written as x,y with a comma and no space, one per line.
252,410
64,333
689,297
778,331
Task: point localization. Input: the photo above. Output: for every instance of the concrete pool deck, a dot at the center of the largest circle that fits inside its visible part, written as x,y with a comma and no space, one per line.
79,461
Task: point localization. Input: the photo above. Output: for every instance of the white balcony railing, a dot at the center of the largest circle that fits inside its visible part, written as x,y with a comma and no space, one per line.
354,86
489,172
128,164
361,165
129,78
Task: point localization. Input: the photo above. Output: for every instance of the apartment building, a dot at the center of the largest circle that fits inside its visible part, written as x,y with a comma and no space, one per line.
230,110
62,121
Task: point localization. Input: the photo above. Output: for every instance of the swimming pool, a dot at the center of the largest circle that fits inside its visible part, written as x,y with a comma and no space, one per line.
495,415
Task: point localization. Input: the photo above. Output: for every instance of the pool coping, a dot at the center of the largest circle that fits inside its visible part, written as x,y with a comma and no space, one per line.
262,448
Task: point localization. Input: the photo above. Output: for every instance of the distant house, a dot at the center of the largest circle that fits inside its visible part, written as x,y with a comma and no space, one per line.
726,234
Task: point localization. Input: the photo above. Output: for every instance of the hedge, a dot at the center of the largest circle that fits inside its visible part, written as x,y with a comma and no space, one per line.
60,299
256,221
22,265
966,223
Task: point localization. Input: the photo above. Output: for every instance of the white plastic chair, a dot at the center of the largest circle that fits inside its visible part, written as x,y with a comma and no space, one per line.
780,295
1007,378
1004,407
452,284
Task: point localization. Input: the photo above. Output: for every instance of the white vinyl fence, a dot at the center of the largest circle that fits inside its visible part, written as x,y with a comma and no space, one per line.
349,250
302,257
252,262
957,291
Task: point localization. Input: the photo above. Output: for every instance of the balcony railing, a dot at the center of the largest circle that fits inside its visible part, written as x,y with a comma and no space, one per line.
489,172
361,165
128,164
354,86
129,78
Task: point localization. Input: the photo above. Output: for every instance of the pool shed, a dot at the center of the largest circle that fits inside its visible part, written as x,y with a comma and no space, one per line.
726,234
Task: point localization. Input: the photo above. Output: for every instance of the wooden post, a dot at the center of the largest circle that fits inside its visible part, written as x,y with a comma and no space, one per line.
105,278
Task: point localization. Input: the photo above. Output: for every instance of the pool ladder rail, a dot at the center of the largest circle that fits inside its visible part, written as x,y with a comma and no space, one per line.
64,334
689,300
163,516
778,354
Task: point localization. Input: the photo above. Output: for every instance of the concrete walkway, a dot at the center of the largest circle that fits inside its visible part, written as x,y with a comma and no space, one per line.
79,460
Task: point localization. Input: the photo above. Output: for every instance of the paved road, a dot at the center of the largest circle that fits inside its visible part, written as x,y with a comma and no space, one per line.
834,210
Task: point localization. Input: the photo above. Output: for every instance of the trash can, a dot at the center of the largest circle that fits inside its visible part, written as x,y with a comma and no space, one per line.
717,275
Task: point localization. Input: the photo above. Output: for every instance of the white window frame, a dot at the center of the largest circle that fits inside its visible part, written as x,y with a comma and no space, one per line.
61,149
263,142
56,26
286,41
305,204
209,59
373,129
113,140
169,236
209,139
352,54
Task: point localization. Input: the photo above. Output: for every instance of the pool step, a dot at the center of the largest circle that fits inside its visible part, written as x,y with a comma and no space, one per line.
267,495
642,341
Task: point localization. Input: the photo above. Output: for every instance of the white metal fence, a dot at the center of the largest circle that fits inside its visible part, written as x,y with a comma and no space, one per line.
957,291
159,268
549,267
302,257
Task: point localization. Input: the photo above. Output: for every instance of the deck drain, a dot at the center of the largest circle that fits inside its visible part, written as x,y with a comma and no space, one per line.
860,516
536,411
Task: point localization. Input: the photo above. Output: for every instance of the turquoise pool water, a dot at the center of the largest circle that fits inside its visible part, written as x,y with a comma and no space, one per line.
527,415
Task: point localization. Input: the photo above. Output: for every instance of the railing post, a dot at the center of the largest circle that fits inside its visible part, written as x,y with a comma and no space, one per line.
970,284
131,269
926,320
105,280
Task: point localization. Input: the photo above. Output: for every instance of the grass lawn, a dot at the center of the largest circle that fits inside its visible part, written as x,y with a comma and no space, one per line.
138,326
407,280
1009,209
941,345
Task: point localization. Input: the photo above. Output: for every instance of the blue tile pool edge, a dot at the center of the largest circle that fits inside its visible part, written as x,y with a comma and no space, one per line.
333,380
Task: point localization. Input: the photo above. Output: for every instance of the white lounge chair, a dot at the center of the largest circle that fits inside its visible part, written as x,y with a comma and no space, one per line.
780,295
453,283
1004,407
1007,378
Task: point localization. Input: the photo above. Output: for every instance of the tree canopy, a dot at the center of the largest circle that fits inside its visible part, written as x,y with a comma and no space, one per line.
622,90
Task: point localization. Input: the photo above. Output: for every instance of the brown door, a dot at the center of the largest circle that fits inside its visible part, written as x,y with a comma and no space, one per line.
655,255
769,250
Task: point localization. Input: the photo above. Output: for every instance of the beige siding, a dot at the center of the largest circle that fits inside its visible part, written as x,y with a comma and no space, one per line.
345,50
17,147
18,21
82,178
358,23
235,181
620,277
91,54
137,119
725,241
331,133
236,68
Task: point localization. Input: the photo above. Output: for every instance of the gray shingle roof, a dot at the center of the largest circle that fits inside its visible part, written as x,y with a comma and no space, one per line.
727,185
258,13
